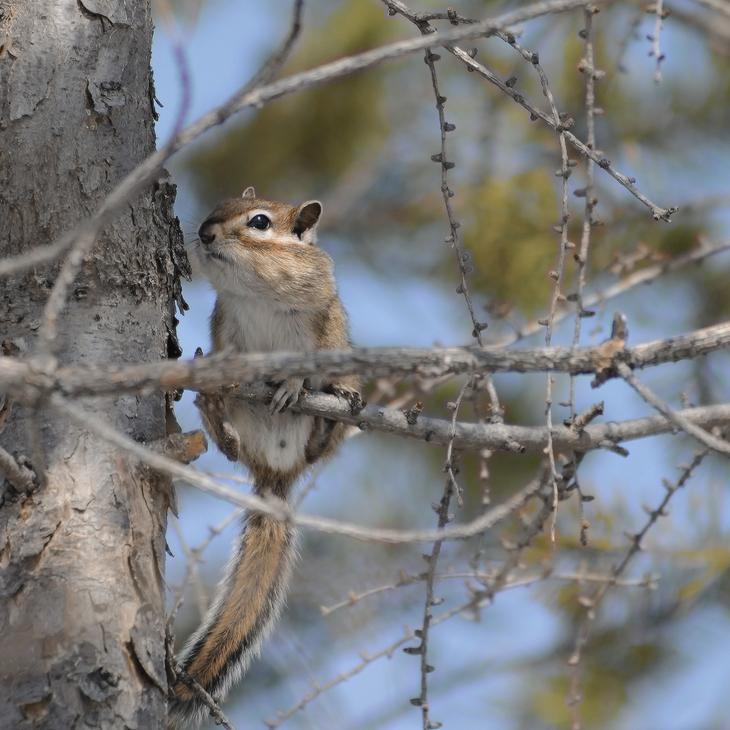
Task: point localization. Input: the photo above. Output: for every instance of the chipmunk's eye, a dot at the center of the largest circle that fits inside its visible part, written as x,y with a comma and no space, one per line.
260,221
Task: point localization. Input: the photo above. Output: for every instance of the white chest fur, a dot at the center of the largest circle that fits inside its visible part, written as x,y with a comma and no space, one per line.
278,440
252,324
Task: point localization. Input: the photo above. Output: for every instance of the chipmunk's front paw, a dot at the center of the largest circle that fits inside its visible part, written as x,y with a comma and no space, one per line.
286,395
351,395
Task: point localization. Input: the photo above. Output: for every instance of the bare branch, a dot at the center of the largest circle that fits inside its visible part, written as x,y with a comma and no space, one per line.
192,573
655,38
647,275
704,437
591,604
214,708
718,6
24,380
498,436
408,580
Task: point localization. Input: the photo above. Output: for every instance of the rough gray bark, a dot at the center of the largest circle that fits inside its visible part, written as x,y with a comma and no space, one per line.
82,556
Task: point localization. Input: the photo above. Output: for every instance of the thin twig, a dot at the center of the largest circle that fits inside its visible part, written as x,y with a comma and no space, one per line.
442,511
192,574
587,67
717,6
655,38
647,275
214,708
274,63
408,580
631,34
168,16
193,558
557,276
591,604
658,213
531,529
675,417
463,258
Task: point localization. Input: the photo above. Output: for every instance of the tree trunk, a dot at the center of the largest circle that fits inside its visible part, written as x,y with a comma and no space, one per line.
82,556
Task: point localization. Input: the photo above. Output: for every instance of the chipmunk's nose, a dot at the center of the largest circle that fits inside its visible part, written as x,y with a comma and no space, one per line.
205,232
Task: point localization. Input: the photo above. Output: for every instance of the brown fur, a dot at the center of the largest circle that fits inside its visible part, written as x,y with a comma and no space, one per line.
262,550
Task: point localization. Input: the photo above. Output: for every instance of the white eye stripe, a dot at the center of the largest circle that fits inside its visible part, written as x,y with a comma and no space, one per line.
259,211
245,218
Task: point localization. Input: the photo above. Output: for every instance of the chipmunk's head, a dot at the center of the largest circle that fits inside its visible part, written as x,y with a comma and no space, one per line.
252,221
250,243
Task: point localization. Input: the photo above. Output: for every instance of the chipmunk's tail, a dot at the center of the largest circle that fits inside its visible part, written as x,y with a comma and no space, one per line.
248,601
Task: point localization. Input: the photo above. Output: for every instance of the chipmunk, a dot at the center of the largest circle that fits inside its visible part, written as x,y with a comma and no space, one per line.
276,291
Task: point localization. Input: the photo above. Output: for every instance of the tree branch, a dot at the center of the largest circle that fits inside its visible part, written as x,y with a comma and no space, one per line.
687,425
25,381
497,436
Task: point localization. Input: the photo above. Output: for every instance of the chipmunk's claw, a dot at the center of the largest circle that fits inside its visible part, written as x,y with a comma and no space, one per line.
286,395
351,395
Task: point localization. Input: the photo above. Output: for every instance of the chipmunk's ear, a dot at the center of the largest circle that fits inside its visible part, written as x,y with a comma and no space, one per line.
307,218
249,192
